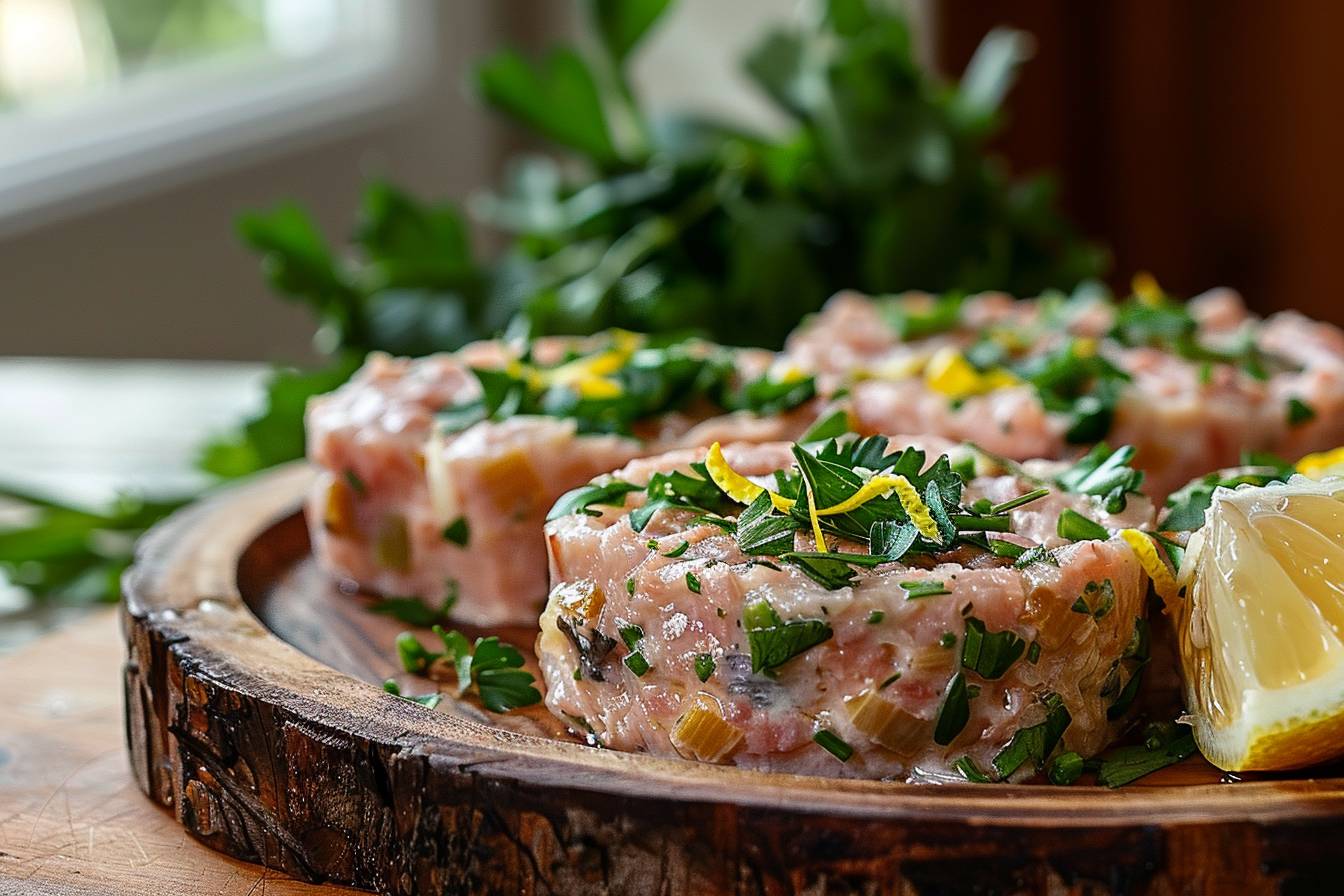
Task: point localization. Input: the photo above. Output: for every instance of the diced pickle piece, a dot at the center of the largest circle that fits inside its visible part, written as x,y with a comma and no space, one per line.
887,724
393,548
338,514
702,732
512,484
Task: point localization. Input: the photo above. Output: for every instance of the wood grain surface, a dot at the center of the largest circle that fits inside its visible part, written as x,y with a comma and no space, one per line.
72,820
266,753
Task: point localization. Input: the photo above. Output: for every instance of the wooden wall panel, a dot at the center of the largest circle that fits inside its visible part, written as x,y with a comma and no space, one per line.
1202,140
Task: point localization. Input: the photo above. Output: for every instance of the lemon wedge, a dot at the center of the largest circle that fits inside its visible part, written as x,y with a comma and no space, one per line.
1261,628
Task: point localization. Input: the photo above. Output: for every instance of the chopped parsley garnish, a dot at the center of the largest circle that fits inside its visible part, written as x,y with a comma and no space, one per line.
924,588
630,586
1135,658
947,640
773,641
1076,527
1034,652
414,610
917,318
1036,743
427,700
457,532
989,654
1106,474
1078,383
1163,746
831,743
766,397
1186,507
1300,412
493,668
970,771
832,426
704,666
610,493
413,655
954,712
875,617
693,582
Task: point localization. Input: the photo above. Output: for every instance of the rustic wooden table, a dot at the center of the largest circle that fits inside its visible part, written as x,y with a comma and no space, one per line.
72,820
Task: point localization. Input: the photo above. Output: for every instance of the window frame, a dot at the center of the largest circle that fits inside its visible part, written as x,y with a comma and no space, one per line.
70,158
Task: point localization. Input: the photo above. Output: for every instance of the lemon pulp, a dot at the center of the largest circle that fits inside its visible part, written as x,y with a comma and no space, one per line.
1262,626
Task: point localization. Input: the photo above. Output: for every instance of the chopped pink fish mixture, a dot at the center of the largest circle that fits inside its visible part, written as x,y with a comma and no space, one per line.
877,683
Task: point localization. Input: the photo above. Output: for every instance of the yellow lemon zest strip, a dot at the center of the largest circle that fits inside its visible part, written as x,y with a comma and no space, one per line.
597,387
782,504
816,520
734,484
1141,543
914,505
949,373
1317,465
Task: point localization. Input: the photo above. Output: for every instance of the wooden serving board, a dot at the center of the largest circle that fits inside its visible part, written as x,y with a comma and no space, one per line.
253,712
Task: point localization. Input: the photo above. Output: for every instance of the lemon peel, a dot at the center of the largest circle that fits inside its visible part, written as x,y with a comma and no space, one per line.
1145,551
950,374
1145,287
816,520
1322,464
730,482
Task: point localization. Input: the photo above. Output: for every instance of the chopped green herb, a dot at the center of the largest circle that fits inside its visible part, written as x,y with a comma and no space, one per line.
923,588
1299,412
704,666
457,532
954,712
580,500
631,635
875,617
1034,652
427,700
578,673
678,550
832,426
1036,743
832,744
413,655
1076,527
1186,507
1038,554
1127,764
1000,548
773,641
693,582
1065,768
356,484
970,771
1106,474
636,663
493,668
1019,501
893,677
989,654
1097,599
947,640
414,611
630,585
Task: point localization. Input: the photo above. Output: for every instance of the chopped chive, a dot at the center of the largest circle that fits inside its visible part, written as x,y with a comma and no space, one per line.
947,640
358,486
832,744
636,663
651,544
1065,768
893,677
1076,527
693,582
990,654
630,585
875,617
970,771
631,635
1020,500
457,532
704,666
965,523
578,673
925,588
1000,548
1034,652
678,550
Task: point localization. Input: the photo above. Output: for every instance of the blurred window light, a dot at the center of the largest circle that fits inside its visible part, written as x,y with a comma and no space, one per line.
99,95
